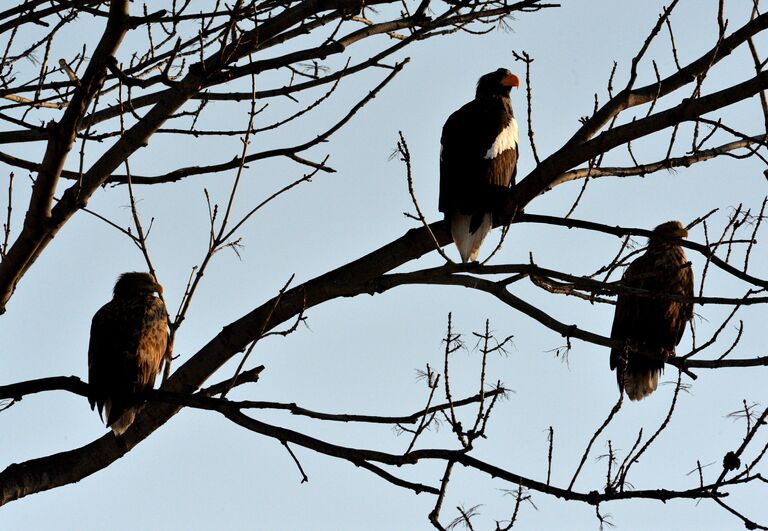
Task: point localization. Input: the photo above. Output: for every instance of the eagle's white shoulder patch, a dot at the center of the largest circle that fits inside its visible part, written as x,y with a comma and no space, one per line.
507,139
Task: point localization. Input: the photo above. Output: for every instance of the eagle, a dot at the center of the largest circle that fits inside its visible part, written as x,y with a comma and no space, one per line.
478,162
129,337
651,326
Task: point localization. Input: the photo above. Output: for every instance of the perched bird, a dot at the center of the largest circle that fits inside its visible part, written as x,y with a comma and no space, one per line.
478,162
129,337
652,326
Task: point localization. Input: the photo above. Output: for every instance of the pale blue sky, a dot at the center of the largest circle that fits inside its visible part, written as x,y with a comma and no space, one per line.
360,355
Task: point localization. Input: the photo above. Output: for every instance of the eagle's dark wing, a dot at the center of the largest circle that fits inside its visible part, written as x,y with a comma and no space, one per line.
478,156
107,328
651,324
630,309
125,353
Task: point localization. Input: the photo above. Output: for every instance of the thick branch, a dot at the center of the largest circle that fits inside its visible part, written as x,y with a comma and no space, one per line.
35,238
63,468
62,135
630,98
203,400
652,167
546,174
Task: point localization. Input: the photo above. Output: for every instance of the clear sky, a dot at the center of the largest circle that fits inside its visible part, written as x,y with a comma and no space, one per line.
360,355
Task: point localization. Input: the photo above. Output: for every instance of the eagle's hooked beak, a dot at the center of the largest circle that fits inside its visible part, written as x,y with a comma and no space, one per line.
511,81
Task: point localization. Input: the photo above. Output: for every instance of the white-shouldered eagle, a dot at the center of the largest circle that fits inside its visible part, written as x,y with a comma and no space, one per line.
129,337
651,326
478,162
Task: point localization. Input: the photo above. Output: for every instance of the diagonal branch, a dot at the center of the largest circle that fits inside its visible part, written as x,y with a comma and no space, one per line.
545,174
39,218
631,98
34,239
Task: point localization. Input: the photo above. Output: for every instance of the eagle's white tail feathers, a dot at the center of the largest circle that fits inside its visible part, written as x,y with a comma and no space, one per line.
125,420
639,385
467,242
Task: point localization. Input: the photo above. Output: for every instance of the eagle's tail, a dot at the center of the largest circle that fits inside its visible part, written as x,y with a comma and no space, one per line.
639,384
468,241
125,420
119,418
636,373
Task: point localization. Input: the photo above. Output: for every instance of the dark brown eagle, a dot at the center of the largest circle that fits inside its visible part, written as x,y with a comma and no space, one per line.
478,162
129,337
651,326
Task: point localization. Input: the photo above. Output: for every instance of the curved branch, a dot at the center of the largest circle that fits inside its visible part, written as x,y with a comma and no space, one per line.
631,98
203,400
364,275
35,237
652,167
621,231
62,137
182,173
459,456
355,278
545,174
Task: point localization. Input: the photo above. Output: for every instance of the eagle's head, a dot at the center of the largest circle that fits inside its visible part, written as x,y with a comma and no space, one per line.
497,83
136,284
666,232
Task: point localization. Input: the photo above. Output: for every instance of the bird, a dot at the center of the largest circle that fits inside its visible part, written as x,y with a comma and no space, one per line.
478,162
651,326
128,342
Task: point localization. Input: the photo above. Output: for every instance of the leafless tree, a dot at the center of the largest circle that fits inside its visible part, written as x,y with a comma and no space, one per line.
90,107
